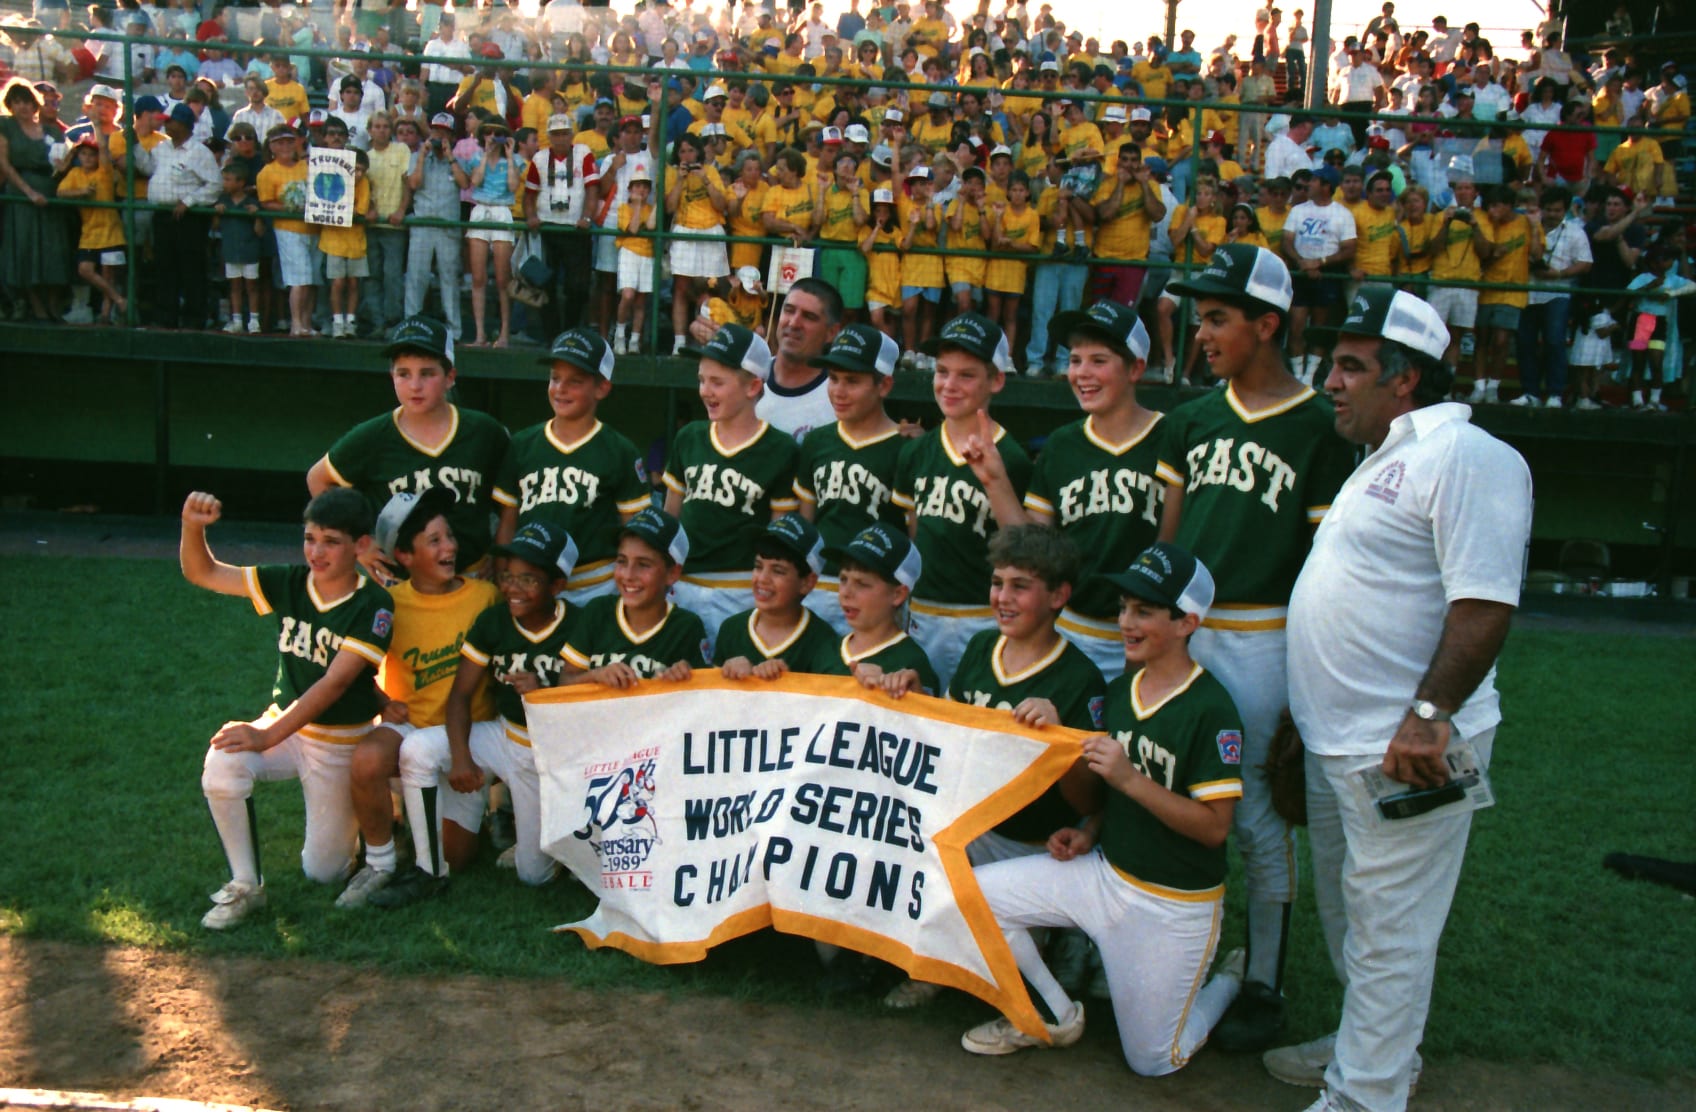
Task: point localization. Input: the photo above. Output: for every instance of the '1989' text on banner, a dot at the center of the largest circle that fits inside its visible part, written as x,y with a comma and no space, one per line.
706,810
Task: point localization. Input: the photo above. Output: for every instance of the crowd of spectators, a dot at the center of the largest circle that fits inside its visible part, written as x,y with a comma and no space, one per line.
1036,169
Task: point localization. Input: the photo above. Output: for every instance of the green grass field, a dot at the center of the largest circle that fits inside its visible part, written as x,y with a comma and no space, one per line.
117,671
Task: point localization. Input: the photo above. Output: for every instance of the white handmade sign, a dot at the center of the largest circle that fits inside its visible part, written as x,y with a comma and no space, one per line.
329,187
706,810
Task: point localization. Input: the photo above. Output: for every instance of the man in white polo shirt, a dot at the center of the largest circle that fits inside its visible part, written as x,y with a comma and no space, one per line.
1394,628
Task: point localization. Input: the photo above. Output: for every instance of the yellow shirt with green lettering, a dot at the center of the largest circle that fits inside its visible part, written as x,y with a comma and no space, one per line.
1377,242
424,653
1008,275
1514,265
920,270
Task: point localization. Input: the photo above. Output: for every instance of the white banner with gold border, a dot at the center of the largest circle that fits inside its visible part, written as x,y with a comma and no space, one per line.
706,810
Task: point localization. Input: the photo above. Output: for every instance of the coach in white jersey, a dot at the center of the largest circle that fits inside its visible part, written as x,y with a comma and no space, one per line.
1394,628
795,399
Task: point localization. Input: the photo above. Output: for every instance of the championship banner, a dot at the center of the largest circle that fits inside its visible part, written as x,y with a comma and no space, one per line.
329,187
788,266
706,810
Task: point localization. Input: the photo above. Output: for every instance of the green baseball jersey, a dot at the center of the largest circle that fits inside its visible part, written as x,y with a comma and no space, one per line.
1190,743
379,460
1065,677
312,630
602,636
729,496
849,483
501,645
811,648
1106,497
585,488
1255,485
954,521
894,655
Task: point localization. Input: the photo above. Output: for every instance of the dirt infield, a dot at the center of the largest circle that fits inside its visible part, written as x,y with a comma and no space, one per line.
303,1034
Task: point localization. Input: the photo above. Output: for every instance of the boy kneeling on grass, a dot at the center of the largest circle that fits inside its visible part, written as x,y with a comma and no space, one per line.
434,607
517,644
1144,876
334,626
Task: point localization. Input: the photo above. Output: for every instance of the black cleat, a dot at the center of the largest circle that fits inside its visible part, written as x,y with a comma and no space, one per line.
1253,1023
409,888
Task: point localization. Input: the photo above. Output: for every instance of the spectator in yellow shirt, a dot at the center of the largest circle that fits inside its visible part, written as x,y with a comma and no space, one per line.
100,247
921,274
1377,240
1507,241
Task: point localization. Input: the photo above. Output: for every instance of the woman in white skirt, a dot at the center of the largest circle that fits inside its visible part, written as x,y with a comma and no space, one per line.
695,199
496,177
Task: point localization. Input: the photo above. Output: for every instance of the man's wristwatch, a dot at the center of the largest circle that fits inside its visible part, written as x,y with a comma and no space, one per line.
1427,711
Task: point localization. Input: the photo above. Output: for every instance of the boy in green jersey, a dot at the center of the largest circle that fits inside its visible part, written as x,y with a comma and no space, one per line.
728,477
434,606
1024,666
1254,467
846,476
1099,479
877,570
1145,875
443,769
572,471
334,626
951,511
780,634
638,634
424,442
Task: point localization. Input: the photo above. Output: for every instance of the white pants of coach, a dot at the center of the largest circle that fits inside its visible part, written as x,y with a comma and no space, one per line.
1383,893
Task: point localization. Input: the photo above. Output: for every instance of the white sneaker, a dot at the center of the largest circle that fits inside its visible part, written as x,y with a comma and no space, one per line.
999,1036
508,858
1587,403
1305,1064
677,344
79,314
1637,399
1490,389
358,891
233,326
1158,374
619,344
1552,403
233,903
254,328
1477,394
1525,401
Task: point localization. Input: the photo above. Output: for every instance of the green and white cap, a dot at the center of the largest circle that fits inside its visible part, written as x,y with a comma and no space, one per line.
796,536
583,348
425,334
403,507
974,334
1242,271
862,348
1168,576
1388,313
541,545
738,347
1109,320
660,530
885,550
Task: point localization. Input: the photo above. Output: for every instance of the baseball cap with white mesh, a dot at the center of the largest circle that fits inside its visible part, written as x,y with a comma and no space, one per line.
1393,315
1242,270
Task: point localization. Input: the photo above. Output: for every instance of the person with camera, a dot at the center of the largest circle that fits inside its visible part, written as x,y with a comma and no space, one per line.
1542,339
433,182
696,199
496,174
562,186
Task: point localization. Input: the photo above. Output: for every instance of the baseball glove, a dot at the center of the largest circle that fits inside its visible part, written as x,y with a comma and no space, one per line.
1286,772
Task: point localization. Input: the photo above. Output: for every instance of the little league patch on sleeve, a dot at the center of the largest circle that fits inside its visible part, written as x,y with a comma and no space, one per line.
1230,746
1097,706
382,623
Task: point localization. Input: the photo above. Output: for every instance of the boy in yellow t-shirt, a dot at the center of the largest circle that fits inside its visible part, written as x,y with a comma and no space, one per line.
281,187
100,247
344,253
921,274
434,607
883,268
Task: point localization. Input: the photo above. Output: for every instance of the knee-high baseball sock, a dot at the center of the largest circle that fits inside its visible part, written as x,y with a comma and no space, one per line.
381,858
239,831
426,824
1047,994
1268,934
